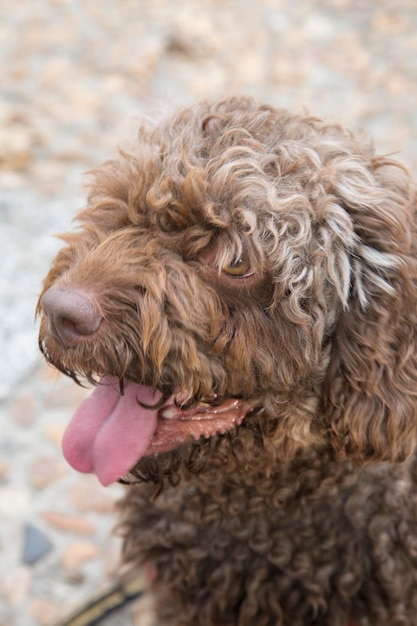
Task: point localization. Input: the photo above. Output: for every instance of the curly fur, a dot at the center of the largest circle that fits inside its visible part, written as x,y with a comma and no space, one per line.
297,516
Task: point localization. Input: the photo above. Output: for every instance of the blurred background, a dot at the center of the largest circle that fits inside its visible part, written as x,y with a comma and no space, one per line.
75,77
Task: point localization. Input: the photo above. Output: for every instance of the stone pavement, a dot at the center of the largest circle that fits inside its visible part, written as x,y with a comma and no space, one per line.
74,78
55,535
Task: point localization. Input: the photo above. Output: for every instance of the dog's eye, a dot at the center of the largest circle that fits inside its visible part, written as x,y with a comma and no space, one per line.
239,267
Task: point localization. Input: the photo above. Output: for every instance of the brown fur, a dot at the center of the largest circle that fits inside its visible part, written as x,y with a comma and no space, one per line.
295,517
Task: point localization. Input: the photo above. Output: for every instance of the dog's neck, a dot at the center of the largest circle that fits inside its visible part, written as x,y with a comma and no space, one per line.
251,456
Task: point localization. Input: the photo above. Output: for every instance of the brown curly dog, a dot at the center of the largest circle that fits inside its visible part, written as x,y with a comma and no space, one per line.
242,293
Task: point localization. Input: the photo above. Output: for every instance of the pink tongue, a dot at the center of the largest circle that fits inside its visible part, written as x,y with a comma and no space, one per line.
109,432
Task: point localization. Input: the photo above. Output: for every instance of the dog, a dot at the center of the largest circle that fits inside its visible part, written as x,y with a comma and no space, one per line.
241,292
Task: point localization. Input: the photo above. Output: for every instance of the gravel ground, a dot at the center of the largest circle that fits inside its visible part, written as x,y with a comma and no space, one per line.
75,77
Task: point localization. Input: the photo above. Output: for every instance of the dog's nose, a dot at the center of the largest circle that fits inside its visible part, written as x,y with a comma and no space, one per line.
73,317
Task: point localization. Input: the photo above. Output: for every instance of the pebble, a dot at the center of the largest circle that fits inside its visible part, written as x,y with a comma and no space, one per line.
16,585
87,497
44,611
77,553
15,147
69,523
45,470
55,433
24,409
4,468
36,545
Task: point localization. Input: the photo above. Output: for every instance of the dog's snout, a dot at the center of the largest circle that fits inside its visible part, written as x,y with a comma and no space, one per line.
72,315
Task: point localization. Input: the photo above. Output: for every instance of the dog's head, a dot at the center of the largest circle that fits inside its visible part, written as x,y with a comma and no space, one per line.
242,269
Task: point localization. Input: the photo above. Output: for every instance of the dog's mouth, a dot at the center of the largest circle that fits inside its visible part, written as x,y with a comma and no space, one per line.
112,430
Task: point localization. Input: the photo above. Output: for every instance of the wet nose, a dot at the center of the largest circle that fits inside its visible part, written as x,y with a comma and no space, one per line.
72,315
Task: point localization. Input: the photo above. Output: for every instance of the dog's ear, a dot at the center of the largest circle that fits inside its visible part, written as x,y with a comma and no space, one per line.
370,393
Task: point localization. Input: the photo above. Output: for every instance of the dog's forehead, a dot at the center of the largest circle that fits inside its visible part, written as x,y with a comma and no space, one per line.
246,177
